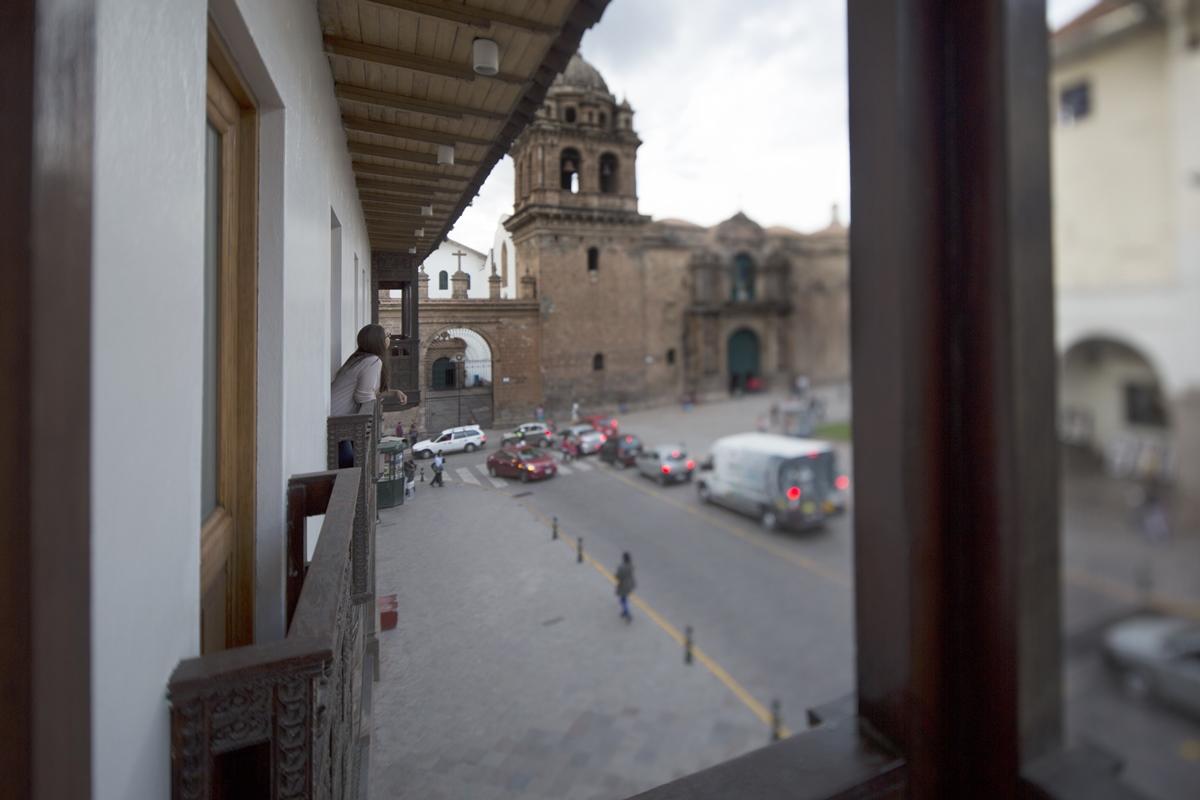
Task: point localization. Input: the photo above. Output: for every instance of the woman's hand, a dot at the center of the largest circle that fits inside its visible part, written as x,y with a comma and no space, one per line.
399,395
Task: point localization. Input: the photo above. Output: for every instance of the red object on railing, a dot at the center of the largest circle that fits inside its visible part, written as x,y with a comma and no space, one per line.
389,613
842,483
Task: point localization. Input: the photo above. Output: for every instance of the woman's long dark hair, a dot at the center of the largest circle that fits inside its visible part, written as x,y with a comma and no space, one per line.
372,341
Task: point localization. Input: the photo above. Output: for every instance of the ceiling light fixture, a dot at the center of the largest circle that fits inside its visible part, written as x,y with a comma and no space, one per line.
485,55
412,251
420,232
427,211
445,154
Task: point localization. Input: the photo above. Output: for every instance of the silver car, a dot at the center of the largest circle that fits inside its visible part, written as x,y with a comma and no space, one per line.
666,463
588,437
1159,656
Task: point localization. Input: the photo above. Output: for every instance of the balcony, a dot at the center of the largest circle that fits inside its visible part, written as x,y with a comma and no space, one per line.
291,718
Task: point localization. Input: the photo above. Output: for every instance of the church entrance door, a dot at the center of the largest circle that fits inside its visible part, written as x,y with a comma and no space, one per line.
742,353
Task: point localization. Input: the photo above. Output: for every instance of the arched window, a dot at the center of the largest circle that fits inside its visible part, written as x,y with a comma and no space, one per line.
608,173
468,281
569,113
443,280
598,362
671,356
504,263
593,260
603,119
569,163
743,278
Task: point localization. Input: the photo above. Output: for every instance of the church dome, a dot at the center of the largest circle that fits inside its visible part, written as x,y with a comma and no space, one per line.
580,75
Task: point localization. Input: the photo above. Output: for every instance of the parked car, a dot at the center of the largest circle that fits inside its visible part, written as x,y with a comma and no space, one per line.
1159,656
539,433
467,438
604,423
588,439
780,480
666,463
522,463
621,450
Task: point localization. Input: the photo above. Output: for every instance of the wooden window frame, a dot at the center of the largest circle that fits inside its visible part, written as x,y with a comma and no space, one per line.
227,535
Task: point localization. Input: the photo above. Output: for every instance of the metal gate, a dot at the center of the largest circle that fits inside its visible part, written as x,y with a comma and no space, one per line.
463,396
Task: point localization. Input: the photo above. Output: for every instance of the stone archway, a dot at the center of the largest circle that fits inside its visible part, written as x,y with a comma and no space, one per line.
1112,403
459,380
743,356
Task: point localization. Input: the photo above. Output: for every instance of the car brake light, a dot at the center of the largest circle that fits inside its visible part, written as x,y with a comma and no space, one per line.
603,438
793,493
666,468
691,464
628,440
842,483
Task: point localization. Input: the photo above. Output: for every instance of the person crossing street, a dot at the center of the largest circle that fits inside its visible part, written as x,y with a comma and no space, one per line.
439,466
625,585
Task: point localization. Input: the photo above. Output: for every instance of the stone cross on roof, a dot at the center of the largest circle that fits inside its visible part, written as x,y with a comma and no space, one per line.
459,255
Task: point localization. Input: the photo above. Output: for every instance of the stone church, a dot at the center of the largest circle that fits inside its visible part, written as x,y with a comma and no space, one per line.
614,308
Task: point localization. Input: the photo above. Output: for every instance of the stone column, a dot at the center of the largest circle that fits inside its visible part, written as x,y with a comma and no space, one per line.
458,285
494,286
422,285
528,287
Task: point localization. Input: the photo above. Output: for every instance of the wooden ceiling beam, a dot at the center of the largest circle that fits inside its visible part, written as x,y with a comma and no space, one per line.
403,102
364,168
407,132
412,190
400,154
393,200
467,15
398,58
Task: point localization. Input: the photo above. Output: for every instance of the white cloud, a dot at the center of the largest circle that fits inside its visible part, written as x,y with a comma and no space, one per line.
742,111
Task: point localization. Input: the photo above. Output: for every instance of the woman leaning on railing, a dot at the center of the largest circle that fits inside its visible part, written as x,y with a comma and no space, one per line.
361,381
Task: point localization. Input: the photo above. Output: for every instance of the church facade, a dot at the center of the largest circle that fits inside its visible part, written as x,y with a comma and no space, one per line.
634,311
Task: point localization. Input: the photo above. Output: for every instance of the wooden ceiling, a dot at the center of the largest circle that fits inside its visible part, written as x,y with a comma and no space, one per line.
402,71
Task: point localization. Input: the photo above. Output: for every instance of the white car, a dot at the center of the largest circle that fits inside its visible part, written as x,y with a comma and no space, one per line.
468,438
589,438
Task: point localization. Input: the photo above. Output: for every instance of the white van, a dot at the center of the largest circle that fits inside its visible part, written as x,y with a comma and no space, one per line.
782,481
466,438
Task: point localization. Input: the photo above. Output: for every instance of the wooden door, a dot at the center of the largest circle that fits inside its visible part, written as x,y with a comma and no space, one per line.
227,484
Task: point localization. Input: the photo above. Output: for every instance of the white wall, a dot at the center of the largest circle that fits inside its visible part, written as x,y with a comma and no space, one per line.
146,345
474,264
500,242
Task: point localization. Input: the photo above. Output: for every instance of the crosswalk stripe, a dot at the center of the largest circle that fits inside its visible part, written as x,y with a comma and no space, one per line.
499,483
563,469
582,466
466,475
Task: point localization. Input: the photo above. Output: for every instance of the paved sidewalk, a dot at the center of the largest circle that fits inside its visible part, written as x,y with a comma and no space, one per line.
510,674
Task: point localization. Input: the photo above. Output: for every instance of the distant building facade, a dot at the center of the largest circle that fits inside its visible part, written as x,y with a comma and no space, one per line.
1126,179
631,311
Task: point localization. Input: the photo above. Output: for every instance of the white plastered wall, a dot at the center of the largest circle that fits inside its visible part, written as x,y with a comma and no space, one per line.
146,336
442,259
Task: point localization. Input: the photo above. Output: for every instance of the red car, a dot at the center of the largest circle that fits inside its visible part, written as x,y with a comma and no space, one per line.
524,463
603,423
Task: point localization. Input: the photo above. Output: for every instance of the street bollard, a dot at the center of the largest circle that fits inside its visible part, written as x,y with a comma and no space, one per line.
776,721
554,529
687,645
422,474
579,550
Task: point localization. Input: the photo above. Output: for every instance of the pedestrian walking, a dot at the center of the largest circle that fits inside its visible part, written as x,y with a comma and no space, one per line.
625,585
412,433
539,413
439,466
574,411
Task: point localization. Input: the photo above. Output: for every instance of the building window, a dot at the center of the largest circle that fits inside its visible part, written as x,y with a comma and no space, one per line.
671,356
569,114
598,362
608,173
1144,405
743,278
603,120
468,282
569,164
1074,103
443,280
593,260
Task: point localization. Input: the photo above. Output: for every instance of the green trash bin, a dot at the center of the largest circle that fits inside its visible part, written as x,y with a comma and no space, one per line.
389,484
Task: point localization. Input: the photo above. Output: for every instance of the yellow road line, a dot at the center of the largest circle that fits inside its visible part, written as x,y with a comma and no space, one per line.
1118,590
718,672
815,567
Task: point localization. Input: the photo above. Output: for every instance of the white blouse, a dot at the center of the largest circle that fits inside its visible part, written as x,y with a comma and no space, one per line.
354,388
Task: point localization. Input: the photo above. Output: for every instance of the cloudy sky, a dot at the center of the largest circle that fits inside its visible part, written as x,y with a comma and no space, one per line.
726,107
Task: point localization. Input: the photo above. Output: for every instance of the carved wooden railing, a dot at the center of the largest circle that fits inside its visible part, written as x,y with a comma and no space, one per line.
285,719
